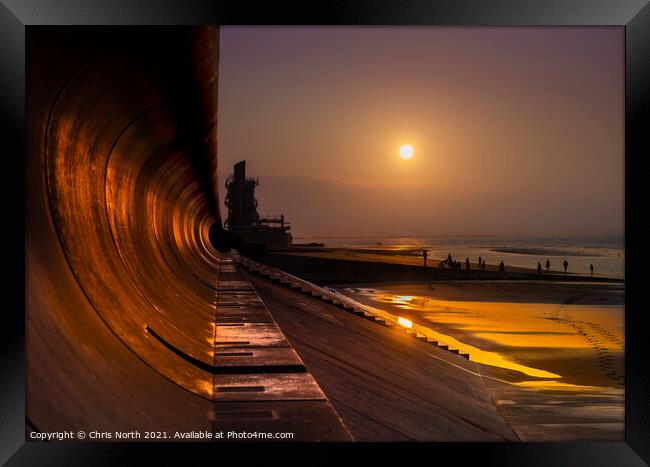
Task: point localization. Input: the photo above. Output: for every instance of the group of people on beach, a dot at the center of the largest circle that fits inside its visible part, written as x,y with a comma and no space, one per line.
453,264
449,262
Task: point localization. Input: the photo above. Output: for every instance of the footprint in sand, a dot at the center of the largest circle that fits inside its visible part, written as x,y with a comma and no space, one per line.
596,336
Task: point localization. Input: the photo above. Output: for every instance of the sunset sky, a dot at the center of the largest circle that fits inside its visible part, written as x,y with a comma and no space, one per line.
515,131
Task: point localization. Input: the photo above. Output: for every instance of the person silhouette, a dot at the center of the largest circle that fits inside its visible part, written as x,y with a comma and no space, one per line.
591,266
467,263
450,261
502,267
424,255
539,267
548,265
566,265
483,265
480,262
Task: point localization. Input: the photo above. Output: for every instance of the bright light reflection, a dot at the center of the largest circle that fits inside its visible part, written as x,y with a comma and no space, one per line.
405,322
402,298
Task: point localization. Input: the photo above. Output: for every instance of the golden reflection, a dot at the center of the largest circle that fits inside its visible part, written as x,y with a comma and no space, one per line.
405,322
541,325
483,356
476,354
553,384
402,299
498,333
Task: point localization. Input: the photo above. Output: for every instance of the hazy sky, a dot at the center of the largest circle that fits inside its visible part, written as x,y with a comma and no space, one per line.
516,131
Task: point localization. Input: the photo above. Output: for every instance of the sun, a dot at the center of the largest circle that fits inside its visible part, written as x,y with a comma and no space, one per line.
406,152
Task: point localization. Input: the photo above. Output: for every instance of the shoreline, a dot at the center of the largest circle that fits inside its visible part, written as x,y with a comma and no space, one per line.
489,281
515,261
332,267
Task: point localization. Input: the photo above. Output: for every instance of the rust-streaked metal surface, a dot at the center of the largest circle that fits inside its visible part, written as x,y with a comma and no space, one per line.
243,314
275,356
134,320
263,387
256,335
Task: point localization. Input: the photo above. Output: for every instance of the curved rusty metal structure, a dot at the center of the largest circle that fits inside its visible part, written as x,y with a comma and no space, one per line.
121,192
122,275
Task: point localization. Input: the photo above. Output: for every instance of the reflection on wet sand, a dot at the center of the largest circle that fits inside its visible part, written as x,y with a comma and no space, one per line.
552,356
504,333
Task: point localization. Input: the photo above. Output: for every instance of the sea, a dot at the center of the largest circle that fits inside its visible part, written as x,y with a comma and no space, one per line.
607,254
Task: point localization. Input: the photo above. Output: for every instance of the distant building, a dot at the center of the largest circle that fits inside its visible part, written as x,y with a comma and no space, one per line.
243,218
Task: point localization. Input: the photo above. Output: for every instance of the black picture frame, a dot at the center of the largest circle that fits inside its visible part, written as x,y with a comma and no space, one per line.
633,15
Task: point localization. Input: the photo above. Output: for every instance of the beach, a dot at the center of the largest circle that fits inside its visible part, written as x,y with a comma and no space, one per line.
550,347
607,255
552,353
572,330
393,257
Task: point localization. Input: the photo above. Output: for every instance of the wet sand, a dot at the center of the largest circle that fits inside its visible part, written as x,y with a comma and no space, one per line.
548,326
553,352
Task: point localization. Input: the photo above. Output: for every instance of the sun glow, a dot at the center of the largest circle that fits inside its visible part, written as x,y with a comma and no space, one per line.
406,152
